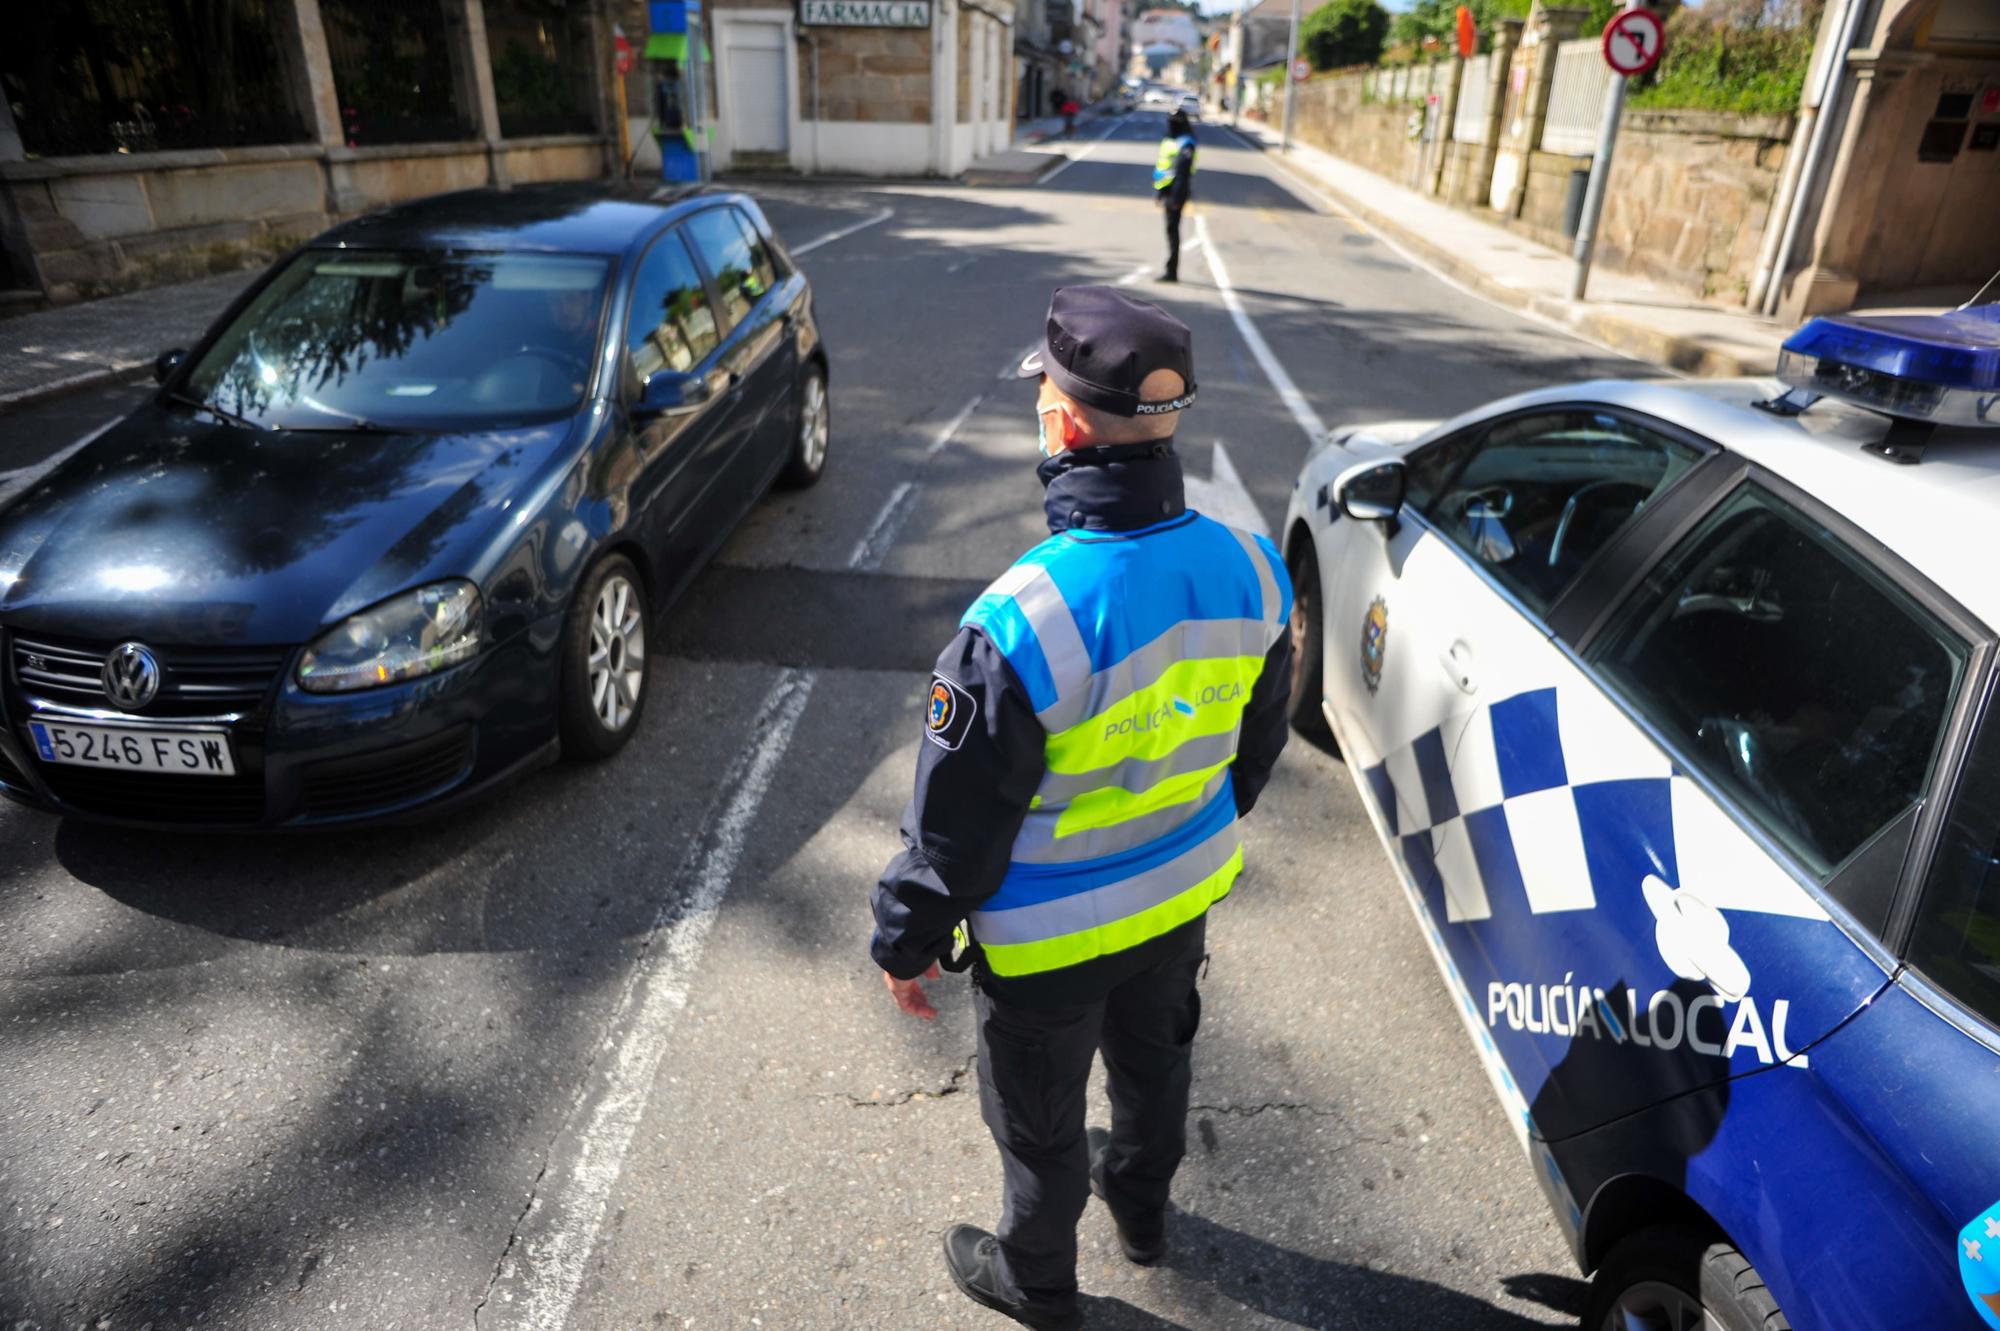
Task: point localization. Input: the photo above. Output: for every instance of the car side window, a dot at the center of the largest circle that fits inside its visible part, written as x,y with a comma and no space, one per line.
671,326
763,269
723,247
1792,673
1541,494
1956,942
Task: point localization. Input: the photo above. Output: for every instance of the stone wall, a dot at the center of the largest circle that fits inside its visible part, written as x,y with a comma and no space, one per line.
881,75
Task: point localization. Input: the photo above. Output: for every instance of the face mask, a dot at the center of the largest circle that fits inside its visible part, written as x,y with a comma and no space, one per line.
1042,432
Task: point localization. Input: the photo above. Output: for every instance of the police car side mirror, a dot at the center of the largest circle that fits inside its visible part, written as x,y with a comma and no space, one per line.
1371,491
672,393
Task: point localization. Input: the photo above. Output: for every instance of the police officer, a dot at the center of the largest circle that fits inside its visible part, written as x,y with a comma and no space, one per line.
1173,181
1108,712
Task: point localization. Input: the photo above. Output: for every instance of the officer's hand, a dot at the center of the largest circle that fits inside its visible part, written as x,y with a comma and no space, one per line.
909,994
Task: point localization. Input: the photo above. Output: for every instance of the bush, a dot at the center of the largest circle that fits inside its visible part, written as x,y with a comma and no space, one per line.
1750,62
1343,33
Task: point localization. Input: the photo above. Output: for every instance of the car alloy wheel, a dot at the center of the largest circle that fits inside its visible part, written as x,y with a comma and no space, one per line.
617,653
1307,630
1655,1306
815,430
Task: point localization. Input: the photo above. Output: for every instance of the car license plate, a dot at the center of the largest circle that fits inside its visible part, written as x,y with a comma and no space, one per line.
179,752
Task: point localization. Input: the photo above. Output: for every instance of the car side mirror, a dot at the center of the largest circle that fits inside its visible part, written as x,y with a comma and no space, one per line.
166,363
672,393
1372,491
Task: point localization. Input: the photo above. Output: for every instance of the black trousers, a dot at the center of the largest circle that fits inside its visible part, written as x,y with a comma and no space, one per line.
1034,1067
1173,213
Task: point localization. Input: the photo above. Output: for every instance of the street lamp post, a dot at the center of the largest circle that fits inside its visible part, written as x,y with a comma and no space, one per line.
1291,84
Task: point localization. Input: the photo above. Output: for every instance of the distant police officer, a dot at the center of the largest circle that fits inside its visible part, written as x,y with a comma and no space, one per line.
1108,712
1173,181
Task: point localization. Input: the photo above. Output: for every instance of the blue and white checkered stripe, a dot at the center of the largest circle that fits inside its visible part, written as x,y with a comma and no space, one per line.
1539,799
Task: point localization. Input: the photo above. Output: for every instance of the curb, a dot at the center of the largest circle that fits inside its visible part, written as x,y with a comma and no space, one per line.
113,373
1689,355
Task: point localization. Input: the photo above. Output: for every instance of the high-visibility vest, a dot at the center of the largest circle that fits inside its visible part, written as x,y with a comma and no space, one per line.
1163,168
1138,651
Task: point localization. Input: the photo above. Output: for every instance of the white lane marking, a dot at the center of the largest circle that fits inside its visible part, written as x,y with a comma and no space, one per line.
1088,149
832,236
20,481
655,993
1288,392
873,547
1312,194
1225,498
952,426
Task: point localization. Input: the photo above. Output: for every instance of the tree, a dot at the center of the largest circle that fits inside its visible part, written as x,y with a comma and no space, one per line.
1343,33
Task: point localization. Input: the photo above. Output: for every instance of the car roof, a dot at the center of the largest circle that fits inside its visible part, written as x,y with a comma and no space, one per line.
576,217
1939,515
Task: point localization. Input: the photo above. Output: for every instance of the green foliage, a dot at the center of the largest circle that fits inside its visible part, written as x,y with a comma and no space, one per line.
1343,33
1439,19
1750,61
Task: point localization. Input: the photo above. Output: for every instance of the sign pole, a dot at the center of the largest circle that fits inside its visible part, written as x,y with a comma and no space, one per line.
1291,88
1628,50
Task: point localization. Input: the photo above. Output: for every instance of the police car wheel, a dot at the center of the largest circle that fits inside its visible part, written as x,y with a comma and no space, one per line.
605,668
1307,629
1678,1278
815,425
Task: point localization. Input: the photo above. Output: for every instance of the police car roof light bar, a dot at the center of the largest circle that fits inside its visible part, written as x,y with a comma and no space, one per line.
1920,370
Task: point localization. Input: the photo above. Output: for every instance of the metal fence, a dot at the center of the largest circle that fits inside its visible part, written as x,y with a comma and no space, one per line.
392,68
101,76
1468,124
542,80
1576,98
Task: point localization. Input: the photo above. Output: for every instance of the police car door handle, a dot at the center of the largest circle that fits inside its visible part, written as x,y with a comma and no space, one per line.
1457,663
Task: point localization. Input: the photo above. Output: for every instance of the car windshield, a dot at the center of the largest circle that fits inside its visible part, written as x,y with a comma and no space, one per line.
406,339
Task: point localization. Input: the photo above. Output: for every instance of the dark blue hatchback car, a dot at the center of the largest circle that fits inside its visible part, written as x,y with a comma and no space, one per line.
402,523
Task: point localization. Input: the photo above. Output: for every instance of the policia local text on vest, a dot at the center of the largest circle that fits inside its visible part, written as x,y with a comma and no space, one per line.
1173,182
1109,711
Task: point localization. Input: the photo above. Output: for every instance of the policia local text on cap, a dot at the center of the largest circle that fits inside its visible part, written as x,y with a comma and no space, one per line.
1106,716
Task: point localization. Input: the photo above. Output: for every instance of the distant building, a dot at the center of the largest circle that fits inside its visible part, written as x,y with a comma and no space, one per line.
1163,42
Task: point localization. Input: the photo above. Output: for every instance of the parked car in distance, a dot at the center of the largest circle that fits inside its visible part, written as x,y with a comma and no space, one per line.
404,521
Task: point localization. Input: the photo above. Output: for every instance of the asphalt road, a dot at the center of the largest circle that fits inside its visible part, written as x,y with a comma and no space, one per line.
607,1051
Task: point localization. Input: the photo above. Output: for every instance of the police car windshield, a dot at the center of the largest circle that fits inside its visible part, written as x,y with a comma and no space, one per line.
409,340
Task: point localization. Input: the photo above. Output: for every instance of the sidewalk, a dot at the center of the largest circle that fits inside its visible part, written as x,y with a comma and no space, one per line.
1626,313
1020,163
96,341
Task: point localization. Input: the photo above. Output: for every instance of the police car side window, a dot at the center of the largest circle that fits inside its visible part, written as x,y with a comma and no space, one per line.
1790,672
1539,495
671,326
1956,943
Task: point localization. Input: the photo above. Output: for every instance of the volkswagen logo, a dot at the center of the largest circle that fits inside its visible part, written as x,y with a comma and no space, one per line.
131,676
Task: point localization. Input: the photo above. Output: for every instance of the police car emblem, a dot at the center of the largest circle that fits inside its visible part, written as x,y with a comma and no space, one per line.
1374,643
948,713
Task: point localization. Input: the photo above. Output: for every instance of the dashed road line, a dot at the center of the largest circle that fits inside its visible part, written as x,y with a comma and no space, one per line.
844,232
954,425
873,547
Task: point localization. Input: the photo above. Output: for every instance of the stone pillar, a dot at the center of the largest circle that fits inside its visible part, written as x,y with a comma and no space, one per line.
308,68
472,77
605,104
1447,114
1830,278
1504,45
944,84
1528,107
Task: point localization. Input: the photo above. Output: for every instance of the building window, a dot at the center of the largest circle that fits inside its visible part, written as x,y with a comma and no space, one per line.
392,71
127,76
540,50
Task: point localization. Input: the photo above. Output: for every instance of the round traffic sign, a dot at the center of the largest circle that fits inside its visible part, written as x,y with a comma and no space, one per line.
1301,69
1634,40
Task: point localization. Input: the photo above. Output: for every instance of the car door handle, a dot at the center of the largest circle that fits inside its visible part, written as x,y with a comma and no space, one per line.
1456,661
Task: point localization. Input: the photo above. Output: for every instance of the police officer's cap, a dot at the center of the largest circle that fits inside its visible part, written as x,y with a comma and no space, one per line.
1102,344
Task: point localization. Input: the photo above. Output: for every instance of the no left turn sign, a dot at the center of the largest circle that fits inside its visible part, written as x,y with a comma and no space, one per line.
1633,41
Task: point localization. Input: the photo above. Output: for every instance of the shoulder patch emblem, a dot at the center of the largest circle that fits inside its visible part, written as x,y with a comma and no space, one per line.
948,713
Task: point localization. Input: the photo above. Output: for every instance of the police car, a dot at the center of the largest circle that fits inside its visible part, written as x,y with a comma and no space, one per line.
1674,706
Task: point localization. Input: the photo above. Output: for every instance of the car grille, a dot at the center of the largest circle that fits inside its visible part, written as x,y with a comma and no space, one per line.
157,798
387,776
194,681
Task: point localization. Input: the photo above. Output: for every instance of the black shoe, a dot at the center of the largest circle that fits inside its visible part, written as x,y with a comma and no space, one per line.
1144,1242
972,1255
1170,276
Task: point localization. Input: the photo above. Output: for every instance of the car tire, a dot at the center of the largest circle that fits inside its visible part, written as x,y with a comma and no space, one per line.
809,444
605,670
1669,1276
1308,630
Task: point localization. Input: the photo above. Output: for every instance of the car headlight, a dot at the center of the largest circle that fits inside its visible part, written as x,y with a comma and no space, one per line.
416,634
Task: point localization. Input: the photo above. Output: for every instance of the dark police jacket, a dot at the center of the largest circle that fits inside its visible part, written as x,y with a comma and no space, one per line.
971,799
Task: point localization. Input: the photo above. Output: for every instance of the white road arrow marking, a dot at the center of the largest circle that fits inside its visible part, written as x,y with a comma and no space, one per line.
1224,497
